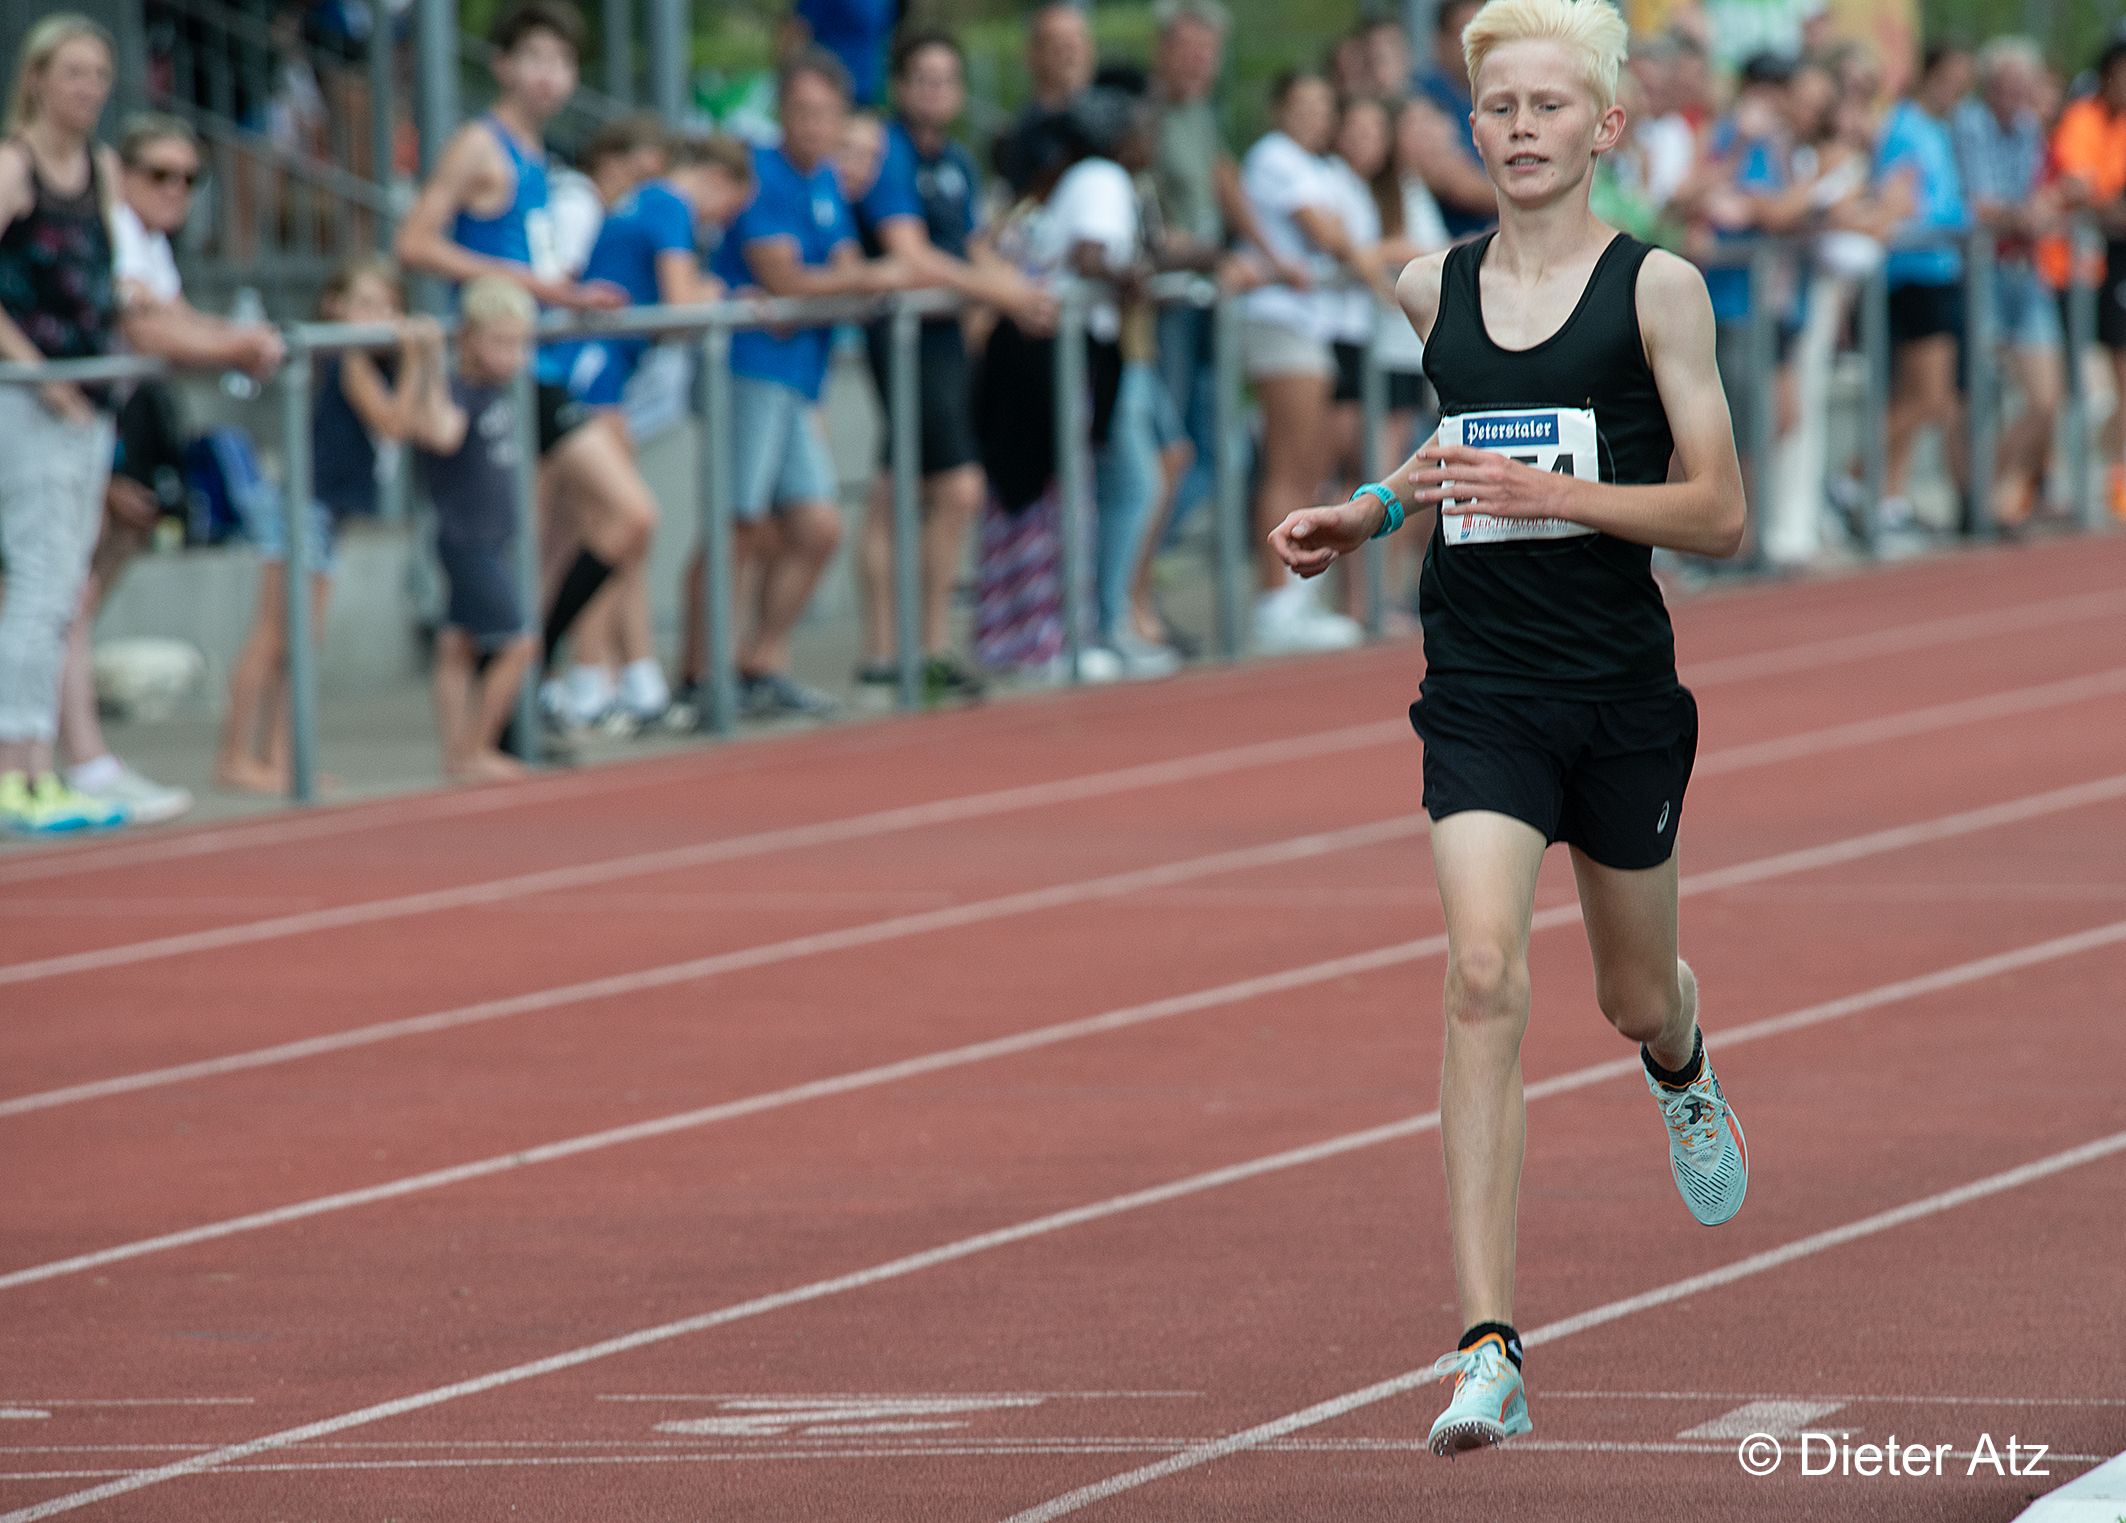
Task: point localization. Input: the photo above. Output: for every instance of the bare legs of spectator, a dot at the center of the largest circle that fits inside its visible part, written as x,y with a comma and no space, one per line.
2115,434
254,755
1295,415
790,549
80,726
592,474
950,501
1924,392
473,707
1175,463
2025,449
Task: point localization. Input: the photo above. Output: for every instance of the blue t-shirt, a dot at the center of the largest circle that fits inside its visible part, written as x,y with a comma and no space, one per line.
855,31
1761,168
655,220
1913,138
809,211
1453,102
940,188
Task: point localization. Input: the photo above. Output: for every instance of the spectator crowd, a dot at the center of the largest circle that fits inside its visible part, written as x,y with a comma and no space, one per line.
1113,173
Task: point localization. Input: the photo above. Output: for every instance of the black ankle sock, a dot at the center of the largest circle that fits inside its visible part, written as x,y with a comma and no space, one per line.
1686,1075
585,576
1483,1330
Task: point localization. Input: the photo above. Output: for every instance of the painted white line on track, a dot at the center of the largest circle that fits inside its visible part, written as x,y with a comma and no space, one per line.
1789,748
1676,1290
1043,1226
1991,966
700,854
359,815
1029,796
1872,1398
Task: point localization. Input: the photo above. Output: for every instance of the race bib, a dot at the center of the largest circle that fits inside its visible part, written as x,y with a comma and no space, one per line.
1561,439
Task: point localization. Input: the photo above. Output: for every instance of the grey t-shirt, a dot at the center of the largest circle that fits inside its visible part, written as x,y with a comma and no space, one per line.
1190,146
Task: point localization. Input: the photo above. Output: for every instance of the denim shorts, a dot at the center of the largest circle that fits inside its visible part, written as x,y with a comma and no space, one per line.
778,457
267,527
2025,314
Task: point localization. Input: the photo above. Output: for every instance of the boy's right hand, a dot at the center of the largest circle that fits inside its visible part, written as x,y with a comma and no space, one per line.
1309,540
576,296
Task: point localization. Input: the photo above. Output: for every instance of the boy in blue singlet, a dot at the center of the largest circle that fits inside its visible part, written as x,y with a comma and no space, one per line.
484,212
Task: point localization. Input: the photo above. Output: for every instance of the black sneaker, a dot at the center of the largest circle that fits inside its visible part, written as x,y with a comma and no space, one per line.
772,695
878,685
947,681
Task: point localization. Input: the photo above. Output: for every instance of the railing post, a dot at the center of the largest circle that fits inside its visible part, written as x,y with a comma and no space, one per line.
1762,425
717,488
1982,394
618,18
1072,475
1875,351
383,118
524,400
2085,482
1372,436
436,56
296,493
671,47
1229,505
904,416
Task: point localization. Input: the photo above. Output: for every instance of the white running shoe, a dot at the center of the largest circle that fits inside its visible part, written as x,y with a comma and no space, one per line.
145,801
1706,1153
1141,658
1288,622
1490,1404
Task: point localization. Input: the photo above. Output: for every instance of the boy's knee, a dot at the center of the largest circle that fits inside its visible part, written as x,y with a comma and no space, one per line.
1641,1006
814,529
1485,982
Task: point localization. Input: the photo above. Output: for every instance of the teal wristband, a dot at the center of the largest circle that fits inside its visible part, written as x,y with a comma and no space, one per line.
1389,500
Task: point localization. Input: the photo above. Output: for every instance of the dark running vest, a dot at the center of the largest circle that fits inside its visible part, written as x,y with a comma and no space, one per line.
1543,606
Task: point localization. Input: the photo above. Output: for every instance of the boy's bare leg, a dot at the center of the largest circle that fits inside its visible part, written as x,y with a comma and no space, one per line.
808,534
1486,865
453,697
493,698
242,763
954,500
1645,990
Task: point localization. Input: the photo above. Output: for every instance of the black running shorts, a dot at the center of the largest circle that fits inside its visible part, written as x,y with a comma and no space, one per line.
1605,775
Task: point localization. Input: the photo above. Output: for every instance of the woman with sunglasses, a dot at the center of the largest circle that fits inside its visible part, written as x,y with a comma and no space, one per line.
159,166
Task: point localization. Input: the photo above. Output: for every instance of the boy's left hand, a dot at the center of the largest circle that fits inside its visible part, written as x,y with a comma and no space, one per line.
1483,481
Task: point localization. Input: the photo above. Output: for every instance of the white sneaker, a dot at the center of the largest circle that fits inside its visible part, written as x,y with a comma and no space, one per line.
1141,658
1287,625
145,801
1096,663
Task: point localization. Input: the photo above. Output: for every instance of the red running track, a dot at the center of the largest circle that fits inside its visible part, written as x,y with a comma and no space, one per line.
1024,1113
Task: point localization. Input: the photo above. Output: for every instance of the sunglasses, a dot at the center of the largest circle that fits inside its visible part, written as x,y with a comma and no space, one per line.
163,176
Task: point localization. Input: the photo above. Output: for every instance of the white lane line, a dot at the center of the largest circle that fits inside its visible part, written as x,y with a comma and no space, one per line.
968,1247
1834,738
1128,1016
1779,1419
131,1401
413,809
1872,1398
1613,1311
878,822
1093,1449
977,806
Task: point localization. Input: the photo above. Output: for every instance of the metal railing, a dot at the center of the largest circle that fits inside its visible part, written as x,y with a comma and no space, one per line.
711,326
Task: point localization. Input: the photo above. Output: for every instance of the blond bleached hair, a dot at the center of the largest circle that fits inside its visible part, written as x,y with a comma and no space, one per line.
45,40
494,299
1594,30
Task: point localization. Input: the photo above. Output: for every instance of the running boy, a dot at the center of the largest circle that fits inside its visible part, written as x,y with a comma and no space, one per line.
1572,362
466,432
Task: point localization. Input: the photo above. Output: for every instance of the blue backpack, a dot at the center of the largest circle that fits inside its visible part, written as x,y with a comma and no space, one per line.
224,486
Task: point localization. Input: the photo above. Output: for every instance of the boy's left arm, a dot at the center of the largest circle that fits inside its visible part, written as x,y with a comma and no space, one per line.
1702,513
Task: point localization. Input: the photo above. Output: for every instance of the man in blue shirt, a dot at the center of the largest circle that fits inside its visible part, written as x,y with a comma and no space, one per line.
794,239
1926,280
922,208
1446,155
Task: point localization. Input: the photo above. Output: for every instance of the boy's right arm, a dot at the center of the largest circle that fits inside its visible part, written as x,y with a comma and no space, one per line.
424,242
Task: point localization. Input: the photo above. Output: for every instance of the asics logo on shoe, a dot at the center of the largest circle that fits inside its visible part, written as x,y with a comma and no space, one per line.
1695,1111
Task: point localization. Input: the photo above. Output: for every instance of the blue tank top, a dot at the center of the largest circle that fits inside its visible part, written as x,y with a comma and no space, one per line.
522,232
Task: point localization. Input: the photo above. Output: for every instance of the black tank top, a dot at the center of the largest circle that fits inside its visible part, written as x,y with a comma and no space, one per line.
56,278
1578,614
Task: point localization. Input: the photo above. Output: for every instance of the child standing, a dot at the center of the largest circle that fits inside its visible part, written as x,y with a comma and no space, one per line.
466,432
357,403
